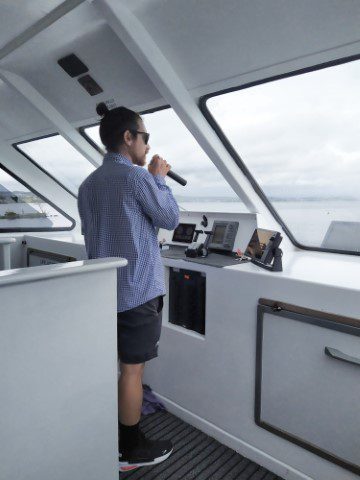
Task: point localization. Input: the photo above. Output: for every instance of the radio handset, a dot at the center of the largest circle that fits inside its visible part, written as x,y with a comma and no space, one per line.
195,249
198,249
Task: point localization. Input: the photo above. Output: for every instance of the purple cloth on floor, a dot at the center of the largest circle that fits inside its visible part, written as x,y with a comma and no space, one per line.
151,404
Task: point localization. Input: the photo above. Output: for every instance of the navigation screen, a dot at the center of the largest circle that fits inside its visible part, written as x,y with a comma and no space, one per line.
218,236
184,233
258,243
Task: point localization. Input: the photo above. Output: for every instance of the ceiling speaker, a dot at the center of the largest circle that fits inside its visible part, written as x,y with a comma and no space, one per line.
72,65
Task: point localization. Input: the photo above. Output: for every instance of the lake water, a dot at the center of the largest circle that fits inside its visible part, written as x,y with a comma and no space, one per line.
53,219
307,220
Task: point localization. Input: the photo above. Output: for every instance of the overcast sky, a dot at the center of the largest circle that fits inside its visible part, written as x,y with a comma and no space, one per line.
298,136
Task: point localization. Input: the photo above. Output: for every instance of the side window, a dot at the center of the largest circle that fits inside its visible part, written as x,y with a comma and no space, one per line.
206,188
22,209
299,138
58,159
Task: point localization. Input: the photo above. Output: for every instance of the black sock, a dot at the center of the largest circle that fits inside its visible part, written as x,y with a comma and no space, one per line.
128,436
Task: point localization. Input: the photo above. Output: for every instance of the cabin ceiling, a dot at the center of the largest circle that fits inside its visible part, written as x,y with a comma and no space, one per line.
210,44
16,16
214,40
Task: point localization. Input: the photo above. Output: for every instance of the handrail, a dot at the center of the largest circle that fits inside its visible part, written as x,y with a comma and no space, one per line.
31,274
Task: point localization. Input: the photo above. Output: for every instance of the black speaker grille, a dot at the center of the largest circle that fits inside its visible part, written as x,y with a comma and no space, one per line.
72,65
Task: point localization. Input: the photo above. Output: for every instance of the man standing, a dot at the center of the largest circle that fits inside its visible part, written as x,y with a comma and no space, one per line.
120,206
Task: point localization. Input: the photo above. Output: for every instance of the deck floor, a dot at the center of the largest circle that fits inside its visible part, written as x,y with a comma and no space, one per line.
196,456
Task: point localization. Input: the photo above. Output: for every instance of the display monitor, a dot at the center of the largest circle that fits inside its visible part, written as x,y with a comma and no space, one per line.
223,236
219,234
184,233
258,243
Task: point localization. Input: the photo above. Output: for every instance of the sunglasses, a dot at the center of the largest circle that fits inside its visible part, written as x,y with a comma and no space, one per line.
145,135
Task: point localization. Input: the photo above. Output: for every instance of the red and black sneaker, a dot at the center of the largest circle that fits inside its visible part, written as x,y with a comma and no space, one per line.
146,452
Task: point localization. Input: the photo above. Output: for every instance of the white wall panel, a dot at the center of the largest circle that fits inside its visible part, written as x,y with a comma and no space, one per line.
58,367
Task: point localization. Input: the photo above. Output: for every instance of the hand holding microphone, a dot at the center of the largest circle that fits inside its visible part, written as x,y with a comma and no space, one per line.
159,166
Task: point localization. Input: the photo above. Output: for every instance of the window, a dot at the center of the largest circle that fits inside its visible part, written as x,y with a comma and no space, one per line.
206,189
59,159
92,134
22,209
299,138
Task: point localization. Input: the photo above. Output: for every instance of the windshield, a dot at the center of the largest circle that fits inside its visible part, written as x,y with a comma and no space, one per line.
206,189
22,209
59,159
299,138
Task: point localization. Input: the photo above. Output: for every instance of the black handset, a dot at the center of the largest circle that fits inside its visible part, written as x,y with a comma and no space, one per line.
196,249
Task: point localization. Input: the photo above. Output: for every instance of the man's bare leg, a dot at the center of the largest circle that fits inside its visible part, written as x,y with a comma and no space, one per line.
130,393
135,450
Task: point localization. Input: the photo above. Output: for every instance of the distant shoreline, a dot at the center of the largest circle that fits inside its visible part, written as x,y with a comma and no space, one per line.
181,198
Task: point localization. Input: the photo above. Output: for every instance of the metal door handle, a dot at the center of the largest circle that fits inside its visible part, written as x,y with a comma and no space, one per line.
333,353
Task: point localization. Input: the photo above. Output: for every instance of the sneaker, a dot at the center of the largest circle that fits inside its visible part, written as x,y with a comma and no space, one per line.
147,452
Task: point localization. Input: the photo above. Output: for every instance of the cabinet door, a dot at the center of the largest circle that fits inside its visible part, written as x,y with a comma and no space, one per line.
305,395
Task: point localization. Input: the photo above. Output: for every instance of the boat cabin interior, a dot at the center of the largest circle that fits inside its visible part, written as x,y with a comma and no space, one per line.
255,104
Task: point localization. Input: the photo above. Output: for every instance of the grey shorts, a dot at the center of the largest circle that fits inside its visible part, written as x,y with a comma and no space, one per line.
138,332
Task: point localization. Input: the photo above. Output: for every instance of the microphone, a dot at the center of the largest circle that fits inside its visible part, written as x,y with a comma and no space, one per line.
170,173
177,178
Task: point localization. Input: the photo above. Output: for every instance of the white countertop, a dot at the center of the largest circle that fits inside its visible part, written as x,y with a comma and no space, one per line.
331,269
64,237
7,240
323,268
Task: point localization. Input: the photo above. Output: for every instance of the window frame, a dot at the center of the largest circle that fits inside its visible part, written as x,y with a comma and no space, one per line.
36,229
90,140
31,160
236,156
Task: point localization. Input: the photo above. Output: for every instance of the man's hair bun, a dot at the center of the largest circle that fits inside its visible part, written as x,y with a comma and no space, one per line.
102,109
114,124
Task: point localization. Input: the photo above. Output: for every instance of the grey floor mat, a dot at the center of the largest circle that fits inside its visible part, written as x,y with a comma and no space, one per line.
196,456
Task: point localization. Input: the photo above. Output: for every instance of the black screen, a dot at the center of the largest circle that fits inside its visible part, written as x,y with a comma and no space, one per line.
219,233
184,233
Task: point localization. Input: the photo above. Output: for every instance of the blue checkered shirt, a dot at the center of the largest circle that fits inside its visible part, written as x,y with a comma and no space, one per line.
120,206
